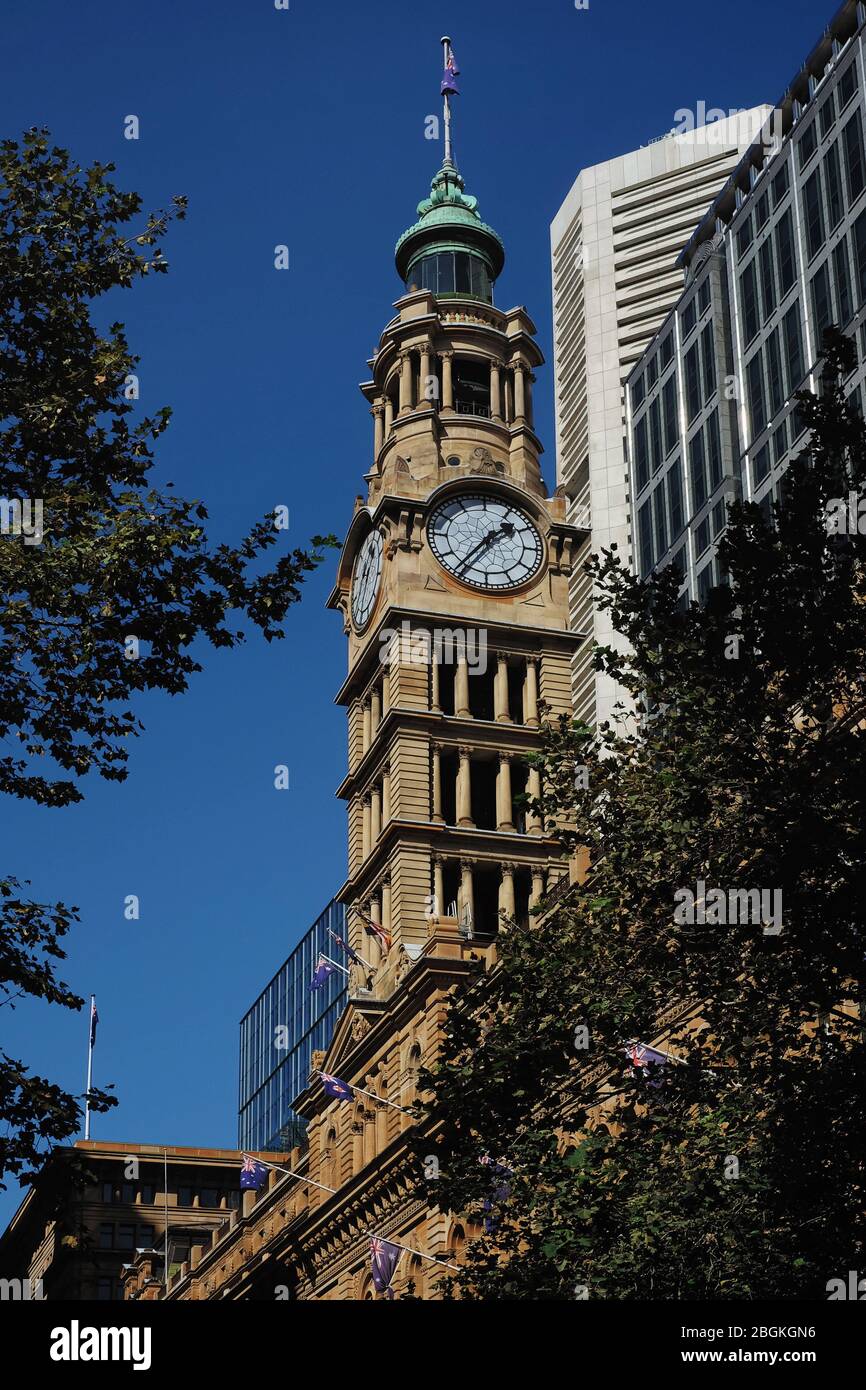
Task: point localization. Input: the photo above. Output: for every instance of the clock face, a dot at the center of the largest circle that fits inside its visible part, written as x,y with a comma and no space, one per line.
365,579
485,541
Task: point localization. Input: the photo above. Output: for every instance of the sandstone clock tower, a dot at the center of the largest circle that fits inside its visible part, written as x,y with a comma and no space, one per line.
453,586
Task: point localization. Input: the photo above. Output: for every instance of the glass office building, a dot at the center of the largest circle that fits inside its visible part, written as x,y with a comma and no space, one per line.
273,1074
779,257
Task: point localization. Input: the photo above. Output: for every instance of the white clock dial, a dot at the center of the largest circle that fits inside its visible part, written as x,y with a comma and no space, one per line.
365,579
485,541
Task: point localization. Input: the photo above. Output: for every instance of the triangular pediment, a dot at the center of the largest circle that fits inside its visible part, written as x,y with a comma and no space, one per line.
355,1022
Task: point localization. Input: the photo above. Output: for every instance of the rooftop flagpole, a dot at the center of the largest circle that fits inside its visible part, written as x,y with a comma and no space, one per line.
446,54
91,1038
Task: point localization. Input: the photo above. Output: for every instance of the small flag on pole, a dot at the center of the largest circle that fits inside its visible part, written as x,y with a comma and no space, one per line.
335,1088
344,945
648,1060
253,1174
94,1019
449,81
384,1258
324,970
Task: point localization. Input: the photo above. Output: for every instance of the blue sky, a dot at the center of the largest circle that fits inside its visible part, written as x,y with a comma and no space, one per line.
303,127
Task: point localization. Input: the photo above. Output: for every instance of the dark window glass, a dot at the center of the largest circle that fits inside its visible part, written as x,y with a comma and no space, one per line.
785,254
445,269
480,281
794,348
852,140
718,517
757,403
714,450
822,304
762,210
144,1237
780,441
108,1192
105,1290
827,114
749,301
708,358
148,1193
208,1197
843,281
105,1239
768,278
808,144
645,531
127,1192
744,238
705,583
652,373
462,274
702,536
656,434
669,403
859,247
760,465
675,498
847,85
698,470
775,379
798,424
690,317
637,392
814,214
661,520
835,207
780,185
855,400
704,297
693,383
125,1236
667,349
641,457
184,1196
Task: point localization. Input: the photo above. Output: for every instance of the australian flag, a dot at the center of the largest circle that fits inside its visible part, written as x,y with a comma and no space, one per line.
449,81
94,1019
383,1264
335,1088
500,1192
647,1060
253,1174
324,969
344,945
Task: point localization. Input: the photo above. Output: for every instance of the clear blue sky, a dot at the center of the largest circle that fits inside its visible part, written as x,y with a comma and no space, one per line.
303,127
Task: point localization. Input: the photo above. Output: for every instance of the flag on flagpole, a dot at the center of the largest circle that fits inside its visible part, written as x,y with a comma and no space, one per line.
324,970
335,1088
648,1060
253,1174
94,1019
499,1193
344,945
449,80
383,1263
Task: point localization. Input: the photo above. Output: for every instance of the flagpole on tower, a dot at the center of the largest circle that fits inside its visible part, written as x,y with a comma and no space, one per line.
90,1032
446,54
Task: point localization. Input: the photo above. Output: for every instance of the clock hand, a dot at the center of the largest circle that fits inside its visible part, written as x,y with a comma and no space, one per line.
506,529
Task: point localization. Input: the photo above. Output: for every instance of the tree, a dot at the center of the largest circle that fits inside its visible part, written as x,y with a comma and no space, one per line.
730,1162
106,582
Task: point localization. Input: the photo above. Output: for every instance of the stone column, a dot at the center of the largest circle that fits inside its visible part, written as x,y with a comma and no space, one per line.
504,805
530,693
386,794
365,826
435,704
405,382
533,787
537,887
461,688
376,952
389,416
506,891
437,784
375,710
467,897
366,731
500,690
375,814
378,412
386,902
495,392
464,789
509,399
519,392
530,414
439,885
386,690
423,398
447,386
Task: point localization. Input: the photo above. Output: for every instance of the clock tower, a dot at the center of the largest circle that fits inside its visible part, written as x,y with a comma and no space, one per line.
453,587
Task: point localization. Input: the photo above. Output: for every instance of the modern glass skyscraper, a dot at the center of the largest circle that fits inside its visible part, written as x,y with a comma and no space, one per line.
778,258
275,1065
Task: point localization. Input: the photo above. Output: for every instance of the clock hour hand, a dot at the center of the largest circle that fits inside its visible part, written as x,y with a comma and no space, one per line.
506,529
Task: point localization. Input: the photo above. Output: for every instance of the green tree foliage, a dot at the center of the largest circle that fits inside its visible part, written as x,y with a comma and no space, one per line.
92,554
736,1169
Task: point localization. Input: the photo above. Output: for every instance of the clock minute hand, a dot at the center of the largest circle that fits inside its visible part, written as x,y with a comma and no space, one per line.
506,529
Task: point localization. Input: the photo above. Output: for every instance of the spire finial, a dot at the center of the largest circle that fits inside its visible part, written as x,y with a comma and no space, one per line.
449,89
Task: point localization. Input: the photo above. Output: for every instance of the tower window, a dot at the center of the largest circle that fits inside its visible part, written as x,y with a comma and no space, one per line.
453,461
452,272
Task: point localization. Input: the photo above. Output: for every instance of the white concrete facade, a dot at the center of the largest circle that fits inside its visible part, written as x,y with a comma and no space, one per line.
614,244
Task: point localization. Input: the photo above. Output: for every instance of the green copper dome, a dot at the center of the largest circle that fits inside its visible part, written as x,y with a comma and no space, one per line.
449,250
